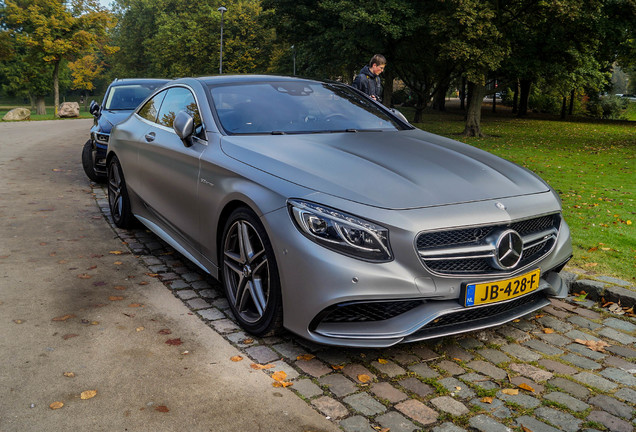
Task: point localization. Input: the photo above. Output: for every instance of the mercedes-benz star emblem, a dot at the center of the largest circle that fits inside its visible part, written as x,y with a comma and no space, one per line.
508,250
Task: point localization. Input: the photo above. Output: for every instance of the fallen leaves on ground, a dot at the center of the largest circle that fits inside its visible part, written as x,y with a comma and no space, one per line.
548,330
165,331
364,378
487,399
279,379
383,361
257,366
162,408
143,283
526,387
115,298
69,374
174,342
305,357
63,317
140,329
135,305
88,394
18,321
247,341
116,252
337,367
84,276
598,346
56,405
120,288
69,336
236,358
510,392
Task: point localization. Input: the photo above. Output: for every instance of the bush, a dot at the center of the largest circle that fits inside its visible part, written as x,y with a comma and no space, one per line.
607,107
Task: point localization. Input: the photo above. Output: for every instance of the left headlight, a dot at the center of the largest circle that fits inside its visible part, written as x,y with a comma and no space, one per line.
341,232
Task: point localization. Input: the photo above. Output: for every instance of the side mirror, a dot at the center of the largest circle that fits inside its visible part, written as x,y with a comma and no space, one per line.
94,108
183,125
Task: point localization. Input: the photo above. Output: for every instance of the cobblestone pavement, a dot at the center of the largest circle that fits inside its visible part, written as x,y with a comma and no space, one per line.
528,375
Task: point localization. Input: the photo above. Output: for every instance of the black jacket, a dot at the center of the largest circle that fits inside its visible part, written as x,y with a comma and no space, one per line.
368,83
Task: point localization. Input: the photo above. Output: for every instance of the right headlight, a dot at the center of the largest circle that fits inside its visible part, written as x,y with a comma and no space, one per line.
341,232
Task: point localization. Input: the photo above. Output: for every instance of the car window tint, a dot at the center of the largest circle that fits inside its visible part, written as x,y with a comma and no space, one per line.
297,107
150,108
127,97
179,99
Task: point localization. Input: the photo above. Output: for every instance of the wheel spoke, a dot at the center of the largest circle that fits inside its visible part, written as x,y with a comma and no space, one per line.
236,258
258,296
242,295
233,266
247,250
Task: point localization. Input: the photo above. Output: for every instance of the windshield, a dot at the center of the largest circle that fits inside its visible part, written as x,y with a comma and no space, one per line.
297,107
127,97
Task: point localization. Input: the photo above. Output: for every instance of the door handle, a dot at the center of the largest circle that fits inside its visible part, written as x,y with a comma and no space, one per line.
150,137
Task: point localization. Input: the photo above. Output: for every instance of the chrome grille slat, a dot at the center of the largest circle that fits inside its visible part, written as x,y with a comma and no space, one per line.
466,251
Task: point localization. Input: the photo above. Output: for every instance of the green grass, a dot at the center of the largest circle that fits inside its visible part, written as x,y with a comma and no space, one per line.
49,113
630,113
591,164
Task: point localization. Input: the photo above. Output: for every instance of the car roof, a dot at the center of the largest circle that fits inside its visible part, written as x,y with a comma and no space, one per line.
127,81
227,79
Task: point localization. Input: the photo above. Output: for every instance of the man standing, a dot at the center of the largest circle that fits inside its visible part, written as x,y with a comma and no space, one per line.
368,80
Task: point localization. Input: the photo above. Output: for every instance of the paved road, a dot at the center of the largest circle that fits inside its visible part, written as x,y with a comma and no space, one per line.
530,374
74,300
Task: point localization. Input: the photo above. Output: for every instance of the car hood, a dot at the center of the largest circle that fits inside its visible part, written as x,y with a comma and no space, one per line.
109,118
395,170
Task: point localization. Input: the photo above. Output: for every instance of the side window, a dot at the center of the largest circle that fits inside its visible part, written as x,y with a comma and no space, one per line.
179,99
150,108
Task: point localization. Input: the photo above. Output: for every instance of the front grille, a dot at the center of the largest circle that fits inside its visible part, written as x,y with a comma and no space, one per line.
373,311
471,317
468,251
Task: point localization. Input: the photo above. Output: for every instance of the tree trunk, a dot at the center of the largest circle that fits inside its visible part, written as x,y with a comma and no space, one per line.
524,97
387,91
572,93
420,105
473,115
462,95
56,86
564,106
40,107
515,98
439,101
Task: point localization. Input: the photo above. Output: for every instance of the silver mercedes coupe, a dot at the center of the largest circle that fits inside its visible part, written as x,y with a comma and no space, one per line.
326,213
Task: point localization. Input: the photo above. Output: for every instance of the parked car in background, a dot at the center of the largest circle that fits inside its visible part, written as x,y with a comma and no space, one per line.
324,212
629,97
121,98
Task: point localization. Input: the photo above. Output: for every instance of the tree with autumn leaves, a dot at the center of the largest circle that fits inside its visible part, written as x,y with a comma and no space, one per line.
41,35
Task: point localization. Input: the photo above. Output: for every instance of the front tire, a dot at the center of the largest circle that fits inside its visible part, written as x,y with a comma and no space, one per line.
118,199
250,274
88,163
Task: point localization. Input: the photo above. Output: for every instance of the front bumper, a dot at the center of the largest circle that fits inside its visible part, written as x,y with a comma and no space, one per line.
315,281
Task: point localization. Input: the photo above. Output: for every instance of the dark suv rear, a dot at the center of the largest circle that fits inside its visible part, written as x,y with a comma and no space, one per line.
120,100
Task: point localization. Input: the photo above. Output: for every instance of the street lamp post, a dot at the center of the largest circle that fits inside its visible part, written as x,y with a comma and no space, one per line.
222,10
294,56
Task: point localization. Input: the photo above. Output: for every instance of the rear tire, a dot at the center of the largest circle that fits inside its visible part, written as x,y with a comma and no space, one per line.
89,164
250,274
118,199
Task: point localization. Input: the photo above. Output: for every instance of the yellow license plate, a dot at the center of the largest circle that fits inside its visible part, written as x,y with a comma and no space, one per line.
493,292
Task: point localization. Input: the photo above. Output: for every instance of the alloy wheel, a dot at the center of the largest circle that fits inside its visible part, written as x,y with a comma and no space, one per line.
247,272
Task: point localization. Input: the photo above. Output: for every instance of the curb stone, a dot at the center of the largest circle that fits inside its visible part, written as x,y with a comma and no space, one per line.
434,385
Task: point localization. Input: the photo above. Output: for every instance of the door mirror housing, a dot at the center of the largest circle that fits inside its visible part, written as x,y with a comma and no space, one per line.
183,126
94,108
